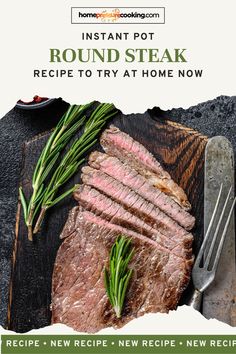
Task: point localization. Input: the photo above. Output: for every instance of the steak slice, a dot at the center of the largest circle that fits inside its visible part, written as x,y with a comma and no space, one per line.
127,176
79,298
92,200
121,145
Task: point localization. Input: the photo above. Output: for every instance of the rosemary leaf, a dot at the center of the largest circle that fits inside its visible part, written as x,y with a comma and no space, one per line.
23,202
49,167
117,278
40,193
71,131
125,286
38,205
61,197
107,285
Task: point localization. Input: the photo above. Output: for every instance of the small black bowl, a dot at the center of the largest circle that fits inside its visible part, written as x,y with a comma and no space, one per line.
37,103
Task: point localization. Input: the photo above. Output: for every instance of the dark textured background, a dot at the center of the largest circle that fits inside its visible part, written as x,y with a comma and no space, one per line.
216,117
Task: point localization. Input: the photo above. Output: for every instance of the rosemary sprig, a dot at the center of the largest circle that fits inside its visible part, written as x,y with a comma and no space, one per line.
117,279
70,122
73,159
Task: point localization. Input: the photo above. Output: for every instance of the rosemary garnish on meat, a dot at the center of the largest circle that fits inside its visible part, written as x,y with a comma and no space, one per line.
118,277
51,172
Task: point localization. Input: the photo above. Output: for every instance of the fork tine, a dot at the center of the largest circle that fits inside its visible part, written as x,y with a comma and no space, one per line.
205,240
223,236
214,238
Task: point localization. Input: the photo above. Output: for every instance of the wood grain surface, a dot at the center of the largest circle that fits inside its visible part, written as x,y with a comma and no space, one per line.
181,152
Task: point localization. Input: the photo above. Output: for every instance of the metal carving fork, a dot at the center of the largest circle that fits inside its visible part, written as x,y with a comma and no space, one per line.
205,267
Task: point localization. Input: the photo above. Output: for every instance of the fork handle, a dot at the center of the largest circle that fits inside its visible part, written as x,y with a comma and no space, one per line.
196,300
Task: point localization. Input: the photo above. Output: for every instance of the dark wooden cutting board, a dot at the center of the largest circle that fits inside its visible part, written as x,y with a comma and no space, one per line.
181,152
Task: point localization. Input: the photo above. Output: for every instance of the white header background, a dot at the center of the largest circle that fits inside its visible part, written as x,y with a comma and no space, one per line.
206,28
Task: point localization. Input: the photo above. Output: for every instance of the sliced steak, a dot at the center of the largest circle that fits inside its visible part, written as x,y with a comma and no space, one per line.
73,223
122,173
92,200
121,145
136,205
79,299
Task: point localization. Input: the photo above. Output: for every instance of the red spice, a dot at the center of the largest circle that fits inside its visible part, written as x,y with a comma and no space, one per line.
36,99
